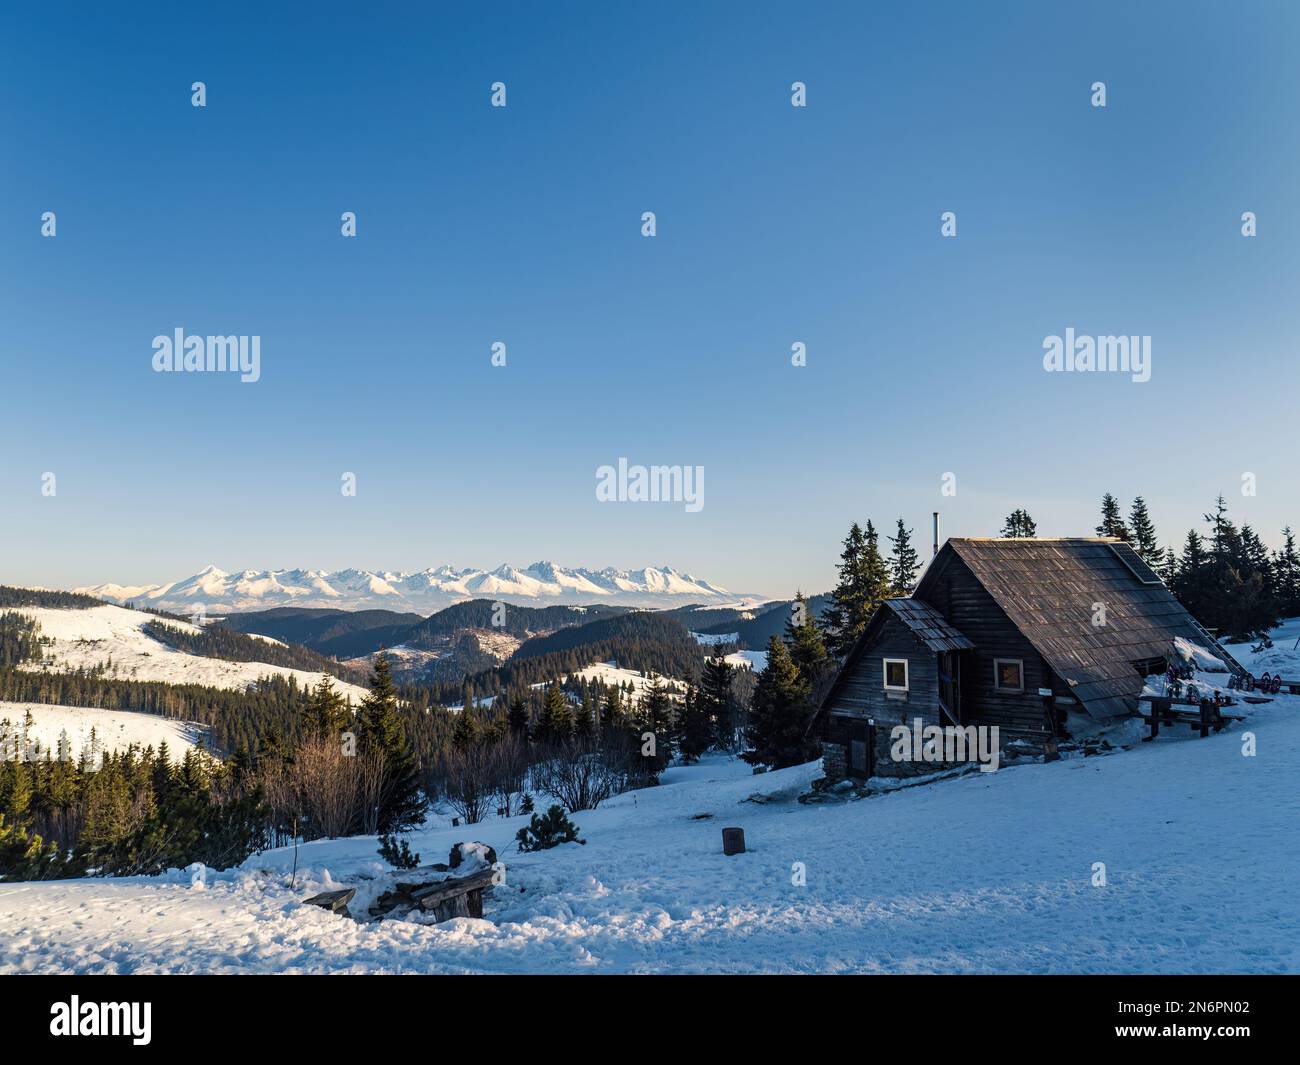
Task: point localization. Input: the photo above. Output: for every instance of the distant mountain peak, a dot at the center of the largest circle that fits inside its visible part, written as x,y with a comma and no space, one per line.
424,591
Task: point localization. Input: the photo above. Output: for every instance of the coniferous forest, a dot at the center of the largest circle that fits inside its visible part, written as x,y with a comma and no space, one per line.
280,762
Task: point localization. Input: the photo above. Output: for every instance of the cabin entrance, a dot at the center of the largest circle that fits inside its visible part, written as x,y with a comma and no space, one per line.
950,685
861,748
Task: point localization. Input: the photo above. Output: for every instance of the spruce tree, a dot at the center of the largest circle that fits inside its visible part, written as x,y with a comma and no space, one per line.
466,731
863,583
611,718
326,712
695,730
1112,522
1143,530
517,716
1168,567
779,714
1286,574
718,703
903,561
556,722
1019,525
657,715
1192,583
807,649
380,731
584,724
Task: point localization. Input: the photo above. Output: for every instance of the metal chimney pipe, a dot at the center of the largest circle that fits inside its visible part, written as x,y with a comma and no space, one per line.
936,532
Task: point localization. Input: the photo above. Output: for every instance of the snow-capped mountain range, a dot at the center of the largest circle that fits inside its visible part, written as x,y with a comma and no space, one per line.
424,591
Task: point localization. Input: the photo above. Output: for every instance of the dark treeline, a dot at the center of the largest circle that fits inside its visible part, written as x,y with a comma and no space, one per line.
135,812
639,640
500,617
333,632
20,639
35,597
646,643
331,770
231,718
1225,576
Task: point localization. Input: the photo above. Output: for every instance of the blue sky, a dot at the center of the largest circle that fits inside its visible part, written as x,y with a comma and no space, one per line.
522,224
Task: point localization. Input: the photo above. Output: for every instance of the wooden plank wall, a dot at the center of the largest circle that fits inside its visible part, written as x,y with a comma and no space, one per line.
862,691
975,614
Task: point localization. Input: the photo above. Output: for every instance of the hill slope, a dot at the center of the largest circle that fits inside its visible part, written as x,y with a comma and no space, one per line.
119,640
986,873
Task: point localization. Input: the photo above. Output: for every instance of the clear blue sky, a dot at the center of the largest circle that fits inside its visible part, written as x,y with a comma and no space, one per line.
522,224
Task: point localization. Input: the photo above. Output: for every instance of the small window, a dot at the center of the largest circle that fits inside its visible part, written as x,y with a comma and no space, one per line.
896,674
1008,675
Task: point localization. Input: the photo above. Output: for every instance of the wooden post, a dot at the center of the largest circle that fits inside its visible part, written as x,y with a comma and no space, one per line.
733,841
1051,752
1207,717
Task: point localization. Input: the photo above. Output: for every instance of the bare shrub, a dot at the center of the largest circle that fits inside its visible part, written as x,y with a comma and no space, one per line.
467,778
329,783
581,774
510,775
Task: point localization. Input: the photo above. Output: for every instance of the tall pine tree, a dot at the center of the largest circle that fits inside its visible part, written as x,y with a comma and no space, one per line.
1019,525
326,713
694,729
807,649
555,724
1112,522
1143,530
380,731
1286,575
863,583
779,714
718,703
903,561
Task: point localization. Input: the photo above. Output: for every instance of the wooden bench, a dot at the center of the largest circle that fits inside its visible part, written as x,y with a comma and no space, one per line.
1207,715
457,896
334,901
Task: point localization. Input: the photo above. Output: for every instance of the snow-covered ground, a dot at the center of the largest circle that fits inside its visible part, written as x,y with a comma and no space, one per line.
985,873
114,729
613,675
91,637
712,639
755,660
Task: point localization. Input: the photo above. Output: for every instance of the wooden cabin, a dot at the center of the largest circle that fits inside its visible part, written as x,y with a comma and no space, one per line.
1005,632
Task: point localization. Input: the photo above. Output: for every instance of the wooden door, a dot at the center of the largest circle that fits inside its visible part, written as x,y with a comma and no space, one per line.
861,749
950,684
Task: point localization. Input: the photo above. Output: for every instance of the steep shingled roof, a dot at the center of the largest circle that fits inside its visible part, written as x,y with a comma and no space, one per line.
928,625
1048,587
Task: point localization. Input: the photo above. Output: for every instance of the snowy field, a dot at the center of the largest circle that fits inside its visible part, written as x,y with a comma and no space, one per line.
755,660
985,873
614,676
114,730
87,638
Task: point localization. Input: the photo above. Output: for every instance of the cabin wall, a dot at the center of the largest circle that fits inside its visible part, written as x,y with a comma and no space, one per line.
961,599
861,695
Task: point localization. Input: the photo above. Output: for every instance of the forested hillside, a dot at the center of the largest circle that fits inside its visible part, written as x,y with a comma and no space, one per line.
217,642
520,621
337,633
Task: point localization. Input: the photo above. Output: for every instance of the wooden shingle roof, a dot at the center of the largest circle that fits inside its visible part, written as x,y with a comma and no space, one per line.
928,625
1050,590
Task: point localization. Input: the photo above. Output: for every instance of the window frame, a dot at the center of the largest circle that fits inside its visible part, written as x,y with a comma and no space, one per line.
907,674
997,675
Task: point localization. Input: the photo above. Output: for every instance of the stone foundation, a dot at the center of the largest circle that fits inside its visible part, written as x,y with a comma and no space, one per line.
835,761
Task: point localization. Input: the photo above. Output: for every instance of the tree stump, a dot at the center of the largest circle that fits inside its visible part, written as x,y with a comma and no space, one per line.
733,841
